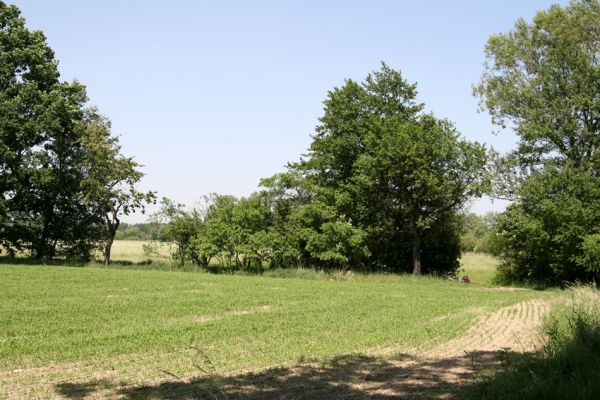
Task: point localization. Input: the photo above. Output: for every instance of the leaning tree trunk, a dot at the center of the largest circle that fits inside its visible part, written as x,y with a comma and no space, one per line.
416,254
109,242
111,231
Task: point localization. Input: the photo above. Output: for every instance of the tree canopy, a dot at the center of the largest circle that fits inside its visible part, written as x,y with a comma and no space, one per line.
110,178
543,79
395,174
49,181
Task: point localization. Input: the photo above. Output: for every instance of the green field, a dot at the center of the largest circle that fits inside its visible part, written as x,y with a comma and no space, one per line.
479,267
133,250
142,326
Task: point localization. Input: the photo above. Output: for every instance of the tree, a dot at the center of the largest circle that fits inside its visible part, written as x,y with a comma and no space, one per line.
547,236
110,178
543,79
390,173
379,190
424,171
478,232
41,207
288,196
174,224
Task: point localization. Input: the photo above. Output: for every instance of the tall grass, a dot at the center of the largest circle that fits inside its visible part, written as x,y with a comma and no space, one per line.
567,367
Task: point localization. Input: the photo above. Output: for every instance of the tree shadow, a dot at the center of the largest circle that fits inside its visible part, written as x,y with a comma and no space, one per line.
28,261
343,377
80,390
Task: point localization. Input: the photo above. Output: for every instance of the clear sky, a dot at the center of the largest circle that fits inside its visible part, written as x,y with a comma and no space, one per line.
211,96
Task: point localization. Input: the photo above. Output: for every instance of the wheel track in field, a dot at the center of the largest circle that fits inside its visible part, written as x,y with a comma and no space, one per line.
442,372
513,327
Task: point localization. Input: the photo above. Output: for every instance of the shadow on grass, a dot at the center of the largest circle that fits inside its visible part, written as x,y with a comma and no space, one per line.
33,262
62,262
80,390
343,377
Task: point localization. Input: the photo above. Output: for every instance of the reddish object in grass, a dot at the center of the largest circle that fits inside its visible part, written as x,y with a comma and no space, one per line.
465,279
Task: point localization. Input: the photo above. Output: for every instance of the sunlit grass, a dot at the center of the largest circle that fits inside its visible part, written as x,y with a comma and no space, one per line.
62,314
133,251
479,267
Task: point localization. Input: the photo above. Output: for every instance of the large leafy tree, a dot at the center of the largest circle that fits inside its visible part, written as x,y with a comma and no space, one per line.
63,181
392,174
543,236
424,173
40,152
543,79
379,189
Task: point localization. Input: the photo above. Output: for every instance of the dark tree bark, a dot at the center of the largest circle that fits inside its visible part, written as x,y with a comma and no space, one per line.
111,230
416,254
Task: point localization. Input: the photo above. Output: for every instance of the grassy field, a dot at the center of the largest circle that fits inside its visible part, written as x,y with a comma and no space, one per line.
65,324
133,250
481,268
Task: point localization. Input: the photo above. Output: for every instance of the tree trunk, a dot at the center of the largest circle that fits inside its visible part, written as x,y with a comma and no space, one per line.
41,245
109,242
111,231
416,254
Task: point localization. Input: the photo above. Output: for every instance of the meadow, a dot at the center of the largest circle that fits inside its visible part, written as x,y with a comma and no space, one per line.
117,328
133,251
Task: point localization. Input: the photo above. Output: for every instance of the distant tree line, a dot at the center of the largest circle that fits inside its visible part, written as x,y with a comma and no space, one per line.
64,183
139,231
478,233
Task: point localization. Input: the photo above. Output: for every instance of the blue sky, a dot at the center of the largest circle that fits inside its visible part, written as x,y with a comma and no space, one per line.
212,96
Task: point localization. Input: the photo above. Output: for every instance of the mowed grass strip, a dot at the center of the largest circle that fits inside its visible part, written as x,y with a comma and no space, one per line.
59,315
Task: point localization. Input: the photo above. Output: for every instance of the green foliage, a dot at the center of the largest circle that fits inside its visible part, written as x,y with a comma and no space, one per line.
172,223
110,177
393,175
542,237
543,78
142,231
590,257
478,233
63,181
232,231
379,190
41,125
336,242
